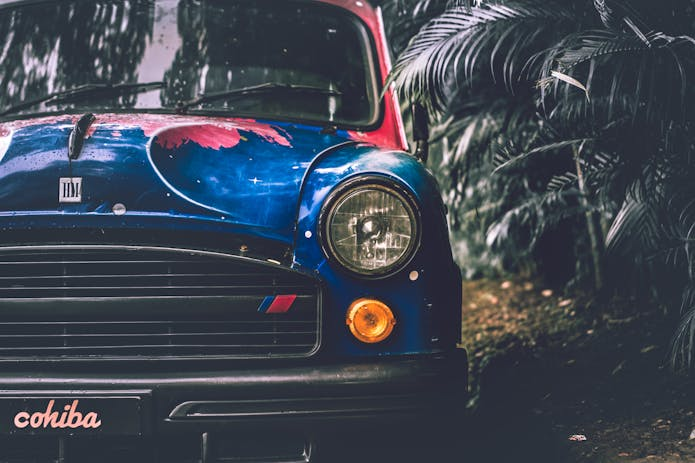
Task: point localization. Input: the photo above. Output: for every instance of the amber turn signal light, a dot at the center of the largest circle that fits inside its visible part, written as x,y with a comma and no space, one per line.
370,320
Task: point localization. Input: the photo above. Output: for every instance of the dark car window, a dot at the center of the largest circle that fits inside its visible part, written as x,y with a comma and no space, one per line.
195,47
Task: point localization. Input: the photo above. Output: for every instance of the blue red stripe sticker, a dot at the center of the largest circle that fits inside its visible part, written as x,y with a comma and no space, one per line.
277,304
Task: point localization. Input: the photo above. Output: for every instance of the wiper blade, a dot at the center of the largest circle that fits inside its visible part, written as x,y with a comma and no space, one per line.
83,91
268,87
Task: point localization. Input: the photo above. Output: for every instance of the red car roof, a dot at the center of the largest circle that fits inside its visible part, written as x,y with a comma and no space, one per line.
391,133
361,8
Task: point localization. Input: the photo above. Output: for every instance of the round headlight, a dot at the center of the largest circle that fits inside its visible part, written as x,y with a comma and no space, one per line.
370,228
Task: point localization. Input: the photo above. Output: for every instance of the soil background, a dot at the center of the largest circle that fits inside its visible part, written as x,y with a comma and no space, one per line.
558,378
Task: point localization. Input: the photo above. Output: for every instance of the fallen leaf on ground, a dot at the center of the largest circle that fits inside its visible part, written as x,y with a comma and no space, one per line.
618,368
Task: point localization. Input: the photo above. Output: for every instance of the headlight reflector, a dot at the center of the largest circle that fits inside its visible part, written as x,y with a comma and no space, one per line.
371,228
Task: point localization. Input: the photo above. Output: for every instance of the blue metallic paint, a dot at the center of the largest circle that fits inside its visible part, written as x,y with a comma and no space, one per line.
207,184
257,188
425,308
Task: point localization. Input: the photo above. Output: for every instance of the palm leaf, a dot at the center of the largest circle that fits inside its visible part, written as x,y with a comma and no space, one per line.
636,228
620,66
570,80
448,49
406,17
508,161
562,181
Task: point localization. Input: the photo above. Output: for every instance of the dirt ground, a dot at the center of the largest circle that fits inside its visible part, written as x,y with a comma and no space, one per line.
559,378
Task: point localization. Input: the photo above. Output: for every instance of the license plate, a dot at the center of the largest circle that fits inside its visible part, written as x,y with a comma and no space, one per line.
68,415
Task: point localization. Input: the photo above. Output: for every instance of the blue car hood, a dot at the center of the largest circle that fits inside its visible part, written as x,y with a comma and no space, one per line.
239,172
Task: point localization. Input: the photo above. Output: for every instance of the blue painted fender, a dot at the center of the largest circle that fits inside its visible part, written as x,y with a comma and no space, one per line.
425,295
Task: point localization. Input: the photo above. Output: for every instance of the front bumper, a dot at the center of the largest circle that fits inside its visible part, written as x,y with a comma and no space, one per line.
257,414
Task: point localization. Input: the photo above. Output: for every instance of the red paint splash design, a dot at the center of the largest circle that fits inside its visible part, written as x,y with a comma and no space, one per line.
380,137
170,130
219,135
207,136
6,128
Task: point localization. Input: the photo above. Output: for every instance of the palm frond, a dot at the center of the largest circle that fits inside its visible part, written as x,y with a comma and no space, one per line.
475,126
535,215
505,160
683,345
406,17
617,15
446,51
635,229
562,181
649,72
592,44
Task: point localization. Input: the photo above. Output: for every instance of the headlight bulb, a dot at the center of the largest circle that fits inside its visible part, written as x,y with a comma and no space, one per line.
369,231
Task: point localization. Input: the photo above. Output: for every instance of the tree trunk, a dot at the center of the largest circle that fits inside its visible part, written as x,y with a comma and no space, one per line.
592,225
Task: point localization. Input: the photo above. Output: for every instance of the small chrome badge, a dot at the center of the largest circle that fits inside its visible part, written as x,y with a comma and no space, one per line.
70,190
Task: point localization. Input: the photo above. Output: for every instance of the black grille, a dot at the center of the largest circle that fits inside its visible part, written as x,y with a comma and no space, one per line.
132,302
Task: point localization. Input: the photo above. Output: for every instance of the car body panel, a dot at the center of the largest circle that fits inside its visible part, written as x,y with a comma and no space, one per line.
159,165
244,190
256,179
420,298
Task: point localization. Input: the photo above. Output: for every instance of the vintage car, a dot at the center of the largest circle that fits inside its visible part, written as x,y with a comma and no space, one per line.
215,245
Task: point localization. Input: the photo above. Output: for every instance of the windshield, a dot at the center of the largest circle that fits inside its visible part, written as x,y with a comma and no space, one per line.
194,48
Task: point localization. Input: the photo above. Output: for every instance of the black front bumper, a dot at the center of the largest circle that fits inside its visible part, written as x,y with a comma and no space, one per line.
260,414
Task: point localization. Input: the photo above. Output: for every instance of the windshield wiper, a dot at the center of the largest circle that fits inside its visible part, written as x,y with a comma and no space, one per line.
266,88
84,91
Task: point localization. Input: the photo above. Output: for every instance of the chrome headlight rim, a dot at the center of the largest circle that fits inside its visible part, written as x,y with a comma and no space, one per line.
373,182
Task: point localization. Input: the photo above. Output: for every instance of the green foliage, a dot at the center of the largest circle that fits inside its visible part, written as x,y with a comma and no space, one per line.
563,122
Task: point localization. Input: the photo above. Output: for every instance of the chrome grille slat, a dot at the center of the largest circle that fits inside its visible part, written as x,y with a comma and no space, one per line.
139,302
144,322
123,335
146,350
163,275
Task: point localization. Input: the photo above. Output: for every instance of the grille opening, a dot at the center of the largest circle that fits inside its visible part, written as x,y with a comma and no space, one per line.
129,302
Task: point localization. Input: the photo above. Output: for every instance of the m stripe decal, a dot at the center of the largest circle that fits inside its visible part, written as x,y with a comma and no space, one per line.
277,304
265,304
